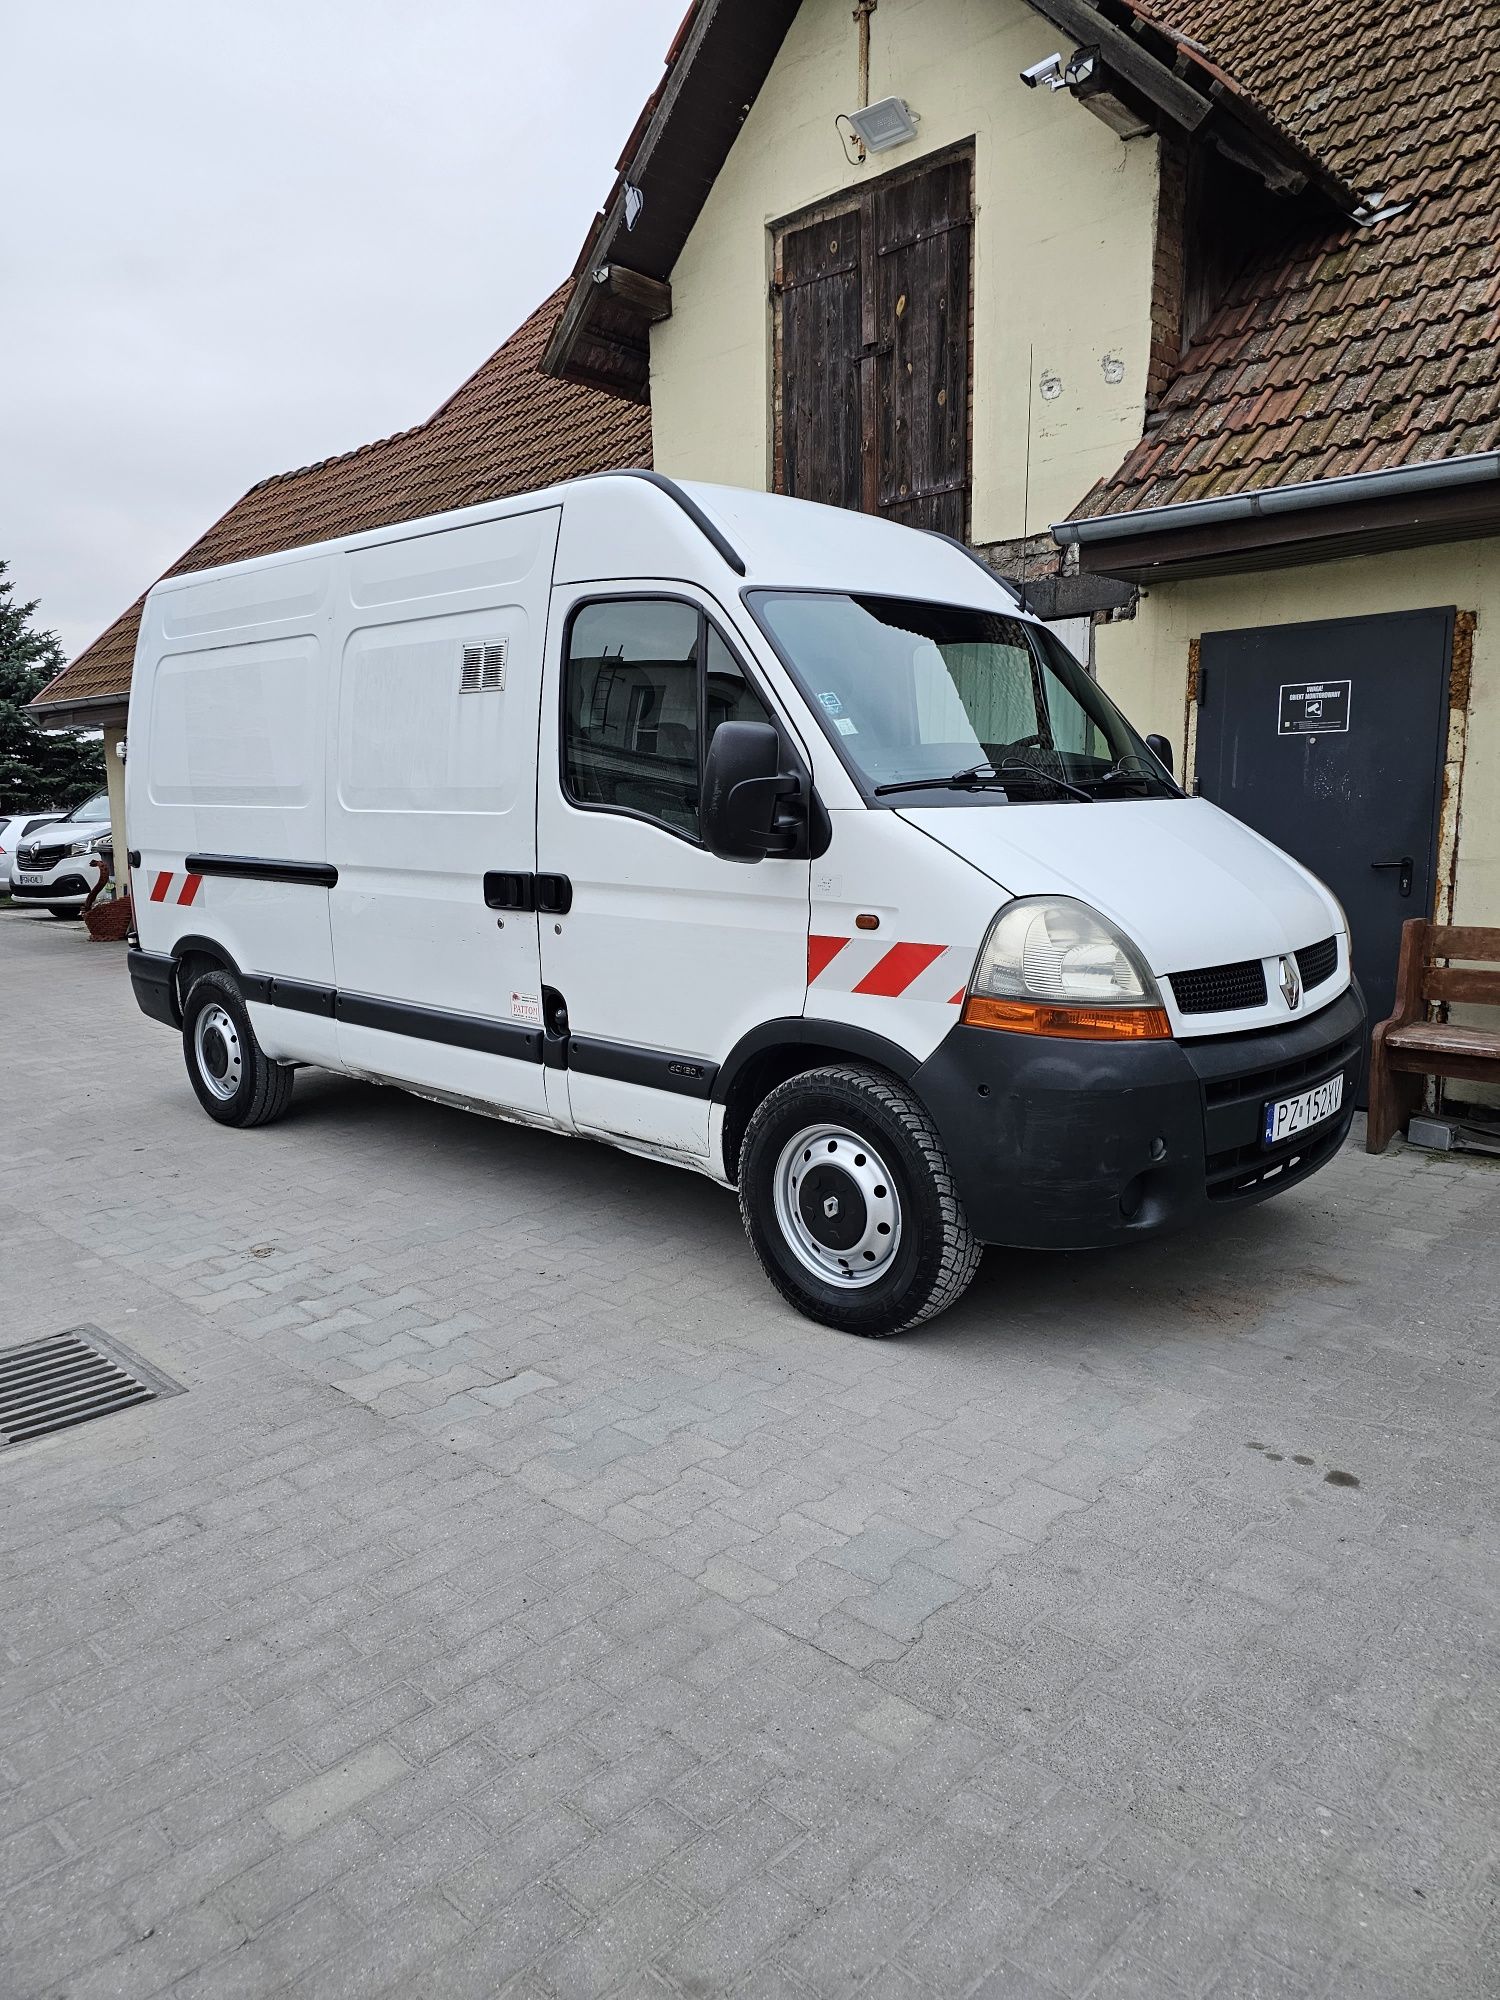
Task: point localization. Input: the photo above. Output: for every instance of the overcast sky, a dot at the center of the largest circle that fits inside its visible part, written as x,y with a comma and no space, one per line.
240,237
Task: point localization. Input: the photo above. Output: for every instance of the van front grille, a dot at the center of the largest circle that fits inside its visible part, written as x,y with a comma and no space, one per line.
1261,1084
1317,962
1220,989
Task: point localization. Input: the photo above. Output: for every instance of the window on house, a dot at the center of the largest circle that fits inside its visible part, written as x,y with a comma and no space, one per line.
647,681
872,374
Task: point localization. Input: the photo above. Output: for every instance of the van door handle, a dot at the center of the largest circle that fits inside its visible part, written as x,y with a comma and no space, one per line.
1404,879
554,895
508,891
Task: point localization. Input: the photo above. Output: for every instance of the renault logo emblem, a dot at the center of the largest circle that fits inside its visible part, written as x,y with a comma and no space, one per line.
831,1206
1291,982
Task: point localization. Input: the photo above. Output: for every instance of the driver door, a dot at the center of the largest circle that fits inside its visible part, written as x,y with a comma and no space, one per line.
665,955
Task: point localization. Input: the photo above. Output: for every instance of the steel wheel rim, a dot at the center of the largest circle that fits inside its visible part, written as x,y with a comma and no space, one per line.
220,1056
845,1247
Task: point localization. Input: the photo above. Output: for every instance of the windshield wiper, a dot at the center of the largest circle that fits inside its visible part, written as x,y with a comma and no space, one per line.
1047,778
982,777
961,781
1119,773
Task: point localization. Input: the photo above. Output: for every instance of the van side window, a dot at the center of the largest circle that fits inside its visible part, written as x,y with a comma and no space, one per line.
631,709
646,683
728,696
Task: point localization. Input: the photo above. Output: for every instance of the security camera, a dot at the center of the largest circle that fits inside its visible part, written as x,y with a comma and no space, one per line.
1049,72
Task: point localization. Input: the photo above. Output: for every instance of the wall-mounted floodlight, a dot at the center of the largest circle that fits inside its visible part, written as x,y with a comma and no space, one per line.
879,127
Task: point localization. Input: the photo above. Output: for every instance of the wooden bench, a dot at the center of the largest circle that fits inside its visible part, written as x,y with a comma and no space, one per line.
1408,1047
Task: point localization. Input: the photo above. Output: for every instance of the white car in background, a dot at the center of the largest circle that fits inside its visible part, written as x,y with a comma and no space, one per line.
57,864
13,830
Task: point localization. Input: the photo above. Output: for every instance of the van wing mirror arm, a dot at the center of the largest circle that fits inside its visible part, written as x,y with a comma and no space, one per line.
788,791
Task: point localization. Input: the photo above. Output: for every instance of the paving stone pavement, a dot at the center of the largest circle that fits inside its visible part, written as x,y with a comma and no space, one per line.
522,1601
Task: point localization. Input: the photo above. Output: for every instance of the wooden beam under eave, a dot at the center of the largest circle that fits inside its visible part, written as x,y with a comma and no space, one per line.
650,298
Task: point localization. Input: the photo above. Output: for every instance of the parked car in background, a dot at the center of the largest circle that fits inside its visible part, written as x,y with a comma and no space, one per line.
14,828
57,864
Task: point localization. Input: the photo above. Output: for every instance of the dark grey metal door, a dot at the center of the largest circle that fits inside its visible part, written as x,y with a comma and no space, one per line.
1329,739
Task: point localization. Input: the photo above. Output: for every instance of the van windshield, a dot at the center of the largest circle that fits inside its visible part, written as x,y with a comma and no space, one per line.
957,704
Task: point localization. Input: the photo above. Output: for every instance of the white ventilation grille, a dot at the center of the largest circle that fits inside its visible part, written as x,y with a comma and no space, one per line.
484,668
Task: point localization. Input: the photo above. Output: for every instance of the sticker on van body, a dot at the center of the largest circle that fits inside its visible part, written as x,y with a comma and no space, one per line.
526,1007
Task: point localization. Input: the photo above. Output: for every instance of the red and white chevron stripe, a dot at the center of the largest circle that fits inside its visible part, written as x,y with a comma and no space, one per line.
890,971
161,888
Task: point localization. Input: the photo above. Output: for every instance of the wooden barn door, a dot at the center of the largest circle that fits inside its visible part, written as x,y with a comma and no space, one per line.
872,350
820,431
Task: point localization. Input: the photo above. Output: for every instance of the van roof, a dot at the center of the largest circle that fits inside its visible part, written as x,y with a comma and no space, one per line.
634,524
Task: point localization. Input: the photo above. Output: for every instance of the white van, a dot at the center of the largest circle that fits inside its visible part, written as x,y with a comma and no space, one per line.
772,840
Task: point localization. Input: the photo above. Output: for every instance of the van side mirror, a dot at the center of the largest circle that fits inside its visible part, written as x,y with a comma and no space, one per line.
743,782
1161,749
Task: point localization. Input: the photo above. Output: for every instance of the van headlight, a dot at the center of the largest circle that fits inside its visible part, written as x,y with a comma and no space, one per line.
95,846
1052,966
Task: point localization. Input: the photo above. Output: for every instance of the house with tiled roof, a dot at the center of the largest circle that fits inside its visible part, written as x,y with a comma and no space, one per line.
509,428
1187,312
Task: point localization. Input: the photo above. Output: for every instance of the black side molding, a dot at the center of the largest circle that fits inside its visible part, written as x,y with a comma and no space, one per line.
299,995
656,1069
436,1024
250,868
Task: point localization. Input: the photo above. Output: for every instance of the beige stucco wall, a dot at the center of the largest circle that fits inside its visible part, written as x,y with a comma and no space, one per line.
1064,235
1142,661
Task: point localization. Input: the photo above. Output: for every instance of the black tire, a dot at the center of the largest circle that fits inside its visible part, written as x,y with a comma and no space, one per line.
63,910
936,1254
246,1088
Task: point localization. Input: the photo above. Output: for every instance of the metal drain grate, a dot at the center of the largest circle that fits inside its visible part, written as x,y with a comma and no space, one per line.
70,1378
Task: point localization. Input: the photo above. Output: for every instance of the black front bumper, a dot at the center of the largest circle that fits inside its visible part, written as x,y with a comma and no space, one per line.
1060,1145
63,890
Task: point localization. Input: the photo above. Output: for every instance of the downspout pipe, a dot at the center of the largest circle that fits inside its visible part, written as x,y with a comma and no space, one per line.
1436,475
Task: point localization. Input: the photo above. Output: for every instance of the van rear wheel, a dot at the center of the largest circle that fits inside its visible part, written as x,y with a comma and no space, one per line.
236,1081
849,1203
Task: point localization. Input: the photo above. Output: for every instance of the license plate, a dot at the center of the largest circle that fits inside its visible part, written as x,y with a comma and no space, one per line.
30,881
1290,1115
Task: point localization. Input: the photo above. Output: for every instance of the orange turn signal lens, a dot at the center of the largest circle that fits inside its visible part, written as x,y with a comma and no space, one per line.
1077,1024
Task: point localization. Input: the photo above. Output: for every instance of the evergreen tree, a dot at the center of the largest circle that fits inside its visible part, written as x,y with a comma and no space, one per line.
38,771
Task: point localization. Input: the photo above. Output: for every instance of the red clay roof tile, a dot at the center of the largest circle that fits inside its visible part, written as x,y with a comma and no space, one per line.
1377,327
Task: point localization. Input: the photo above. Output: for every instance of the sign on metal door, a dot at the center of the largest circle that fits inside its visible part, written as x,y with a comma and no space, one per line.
1314,708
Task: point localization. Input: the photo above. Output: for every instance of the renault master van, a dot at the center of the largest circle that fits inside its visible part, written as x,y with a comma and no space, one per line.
767,839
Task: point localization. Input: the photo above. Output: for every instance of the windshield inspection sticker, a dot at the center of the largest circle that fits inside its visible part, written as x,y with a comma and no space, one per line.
832,703
844,726
1314,708
526,1007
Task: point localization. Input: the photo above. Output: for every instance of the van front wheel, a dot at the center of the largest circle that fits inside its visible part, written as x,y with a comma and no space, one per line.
236,1082
849,1202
